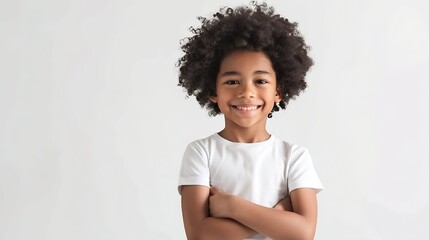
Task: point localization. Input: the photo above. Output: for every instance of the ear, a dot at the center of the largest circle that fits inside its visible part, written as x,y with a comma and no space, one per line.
213,99
277,97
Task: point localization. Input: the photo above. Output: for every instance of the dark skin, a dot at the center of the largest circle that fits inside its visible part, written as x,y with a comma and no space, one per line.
253,28
246,95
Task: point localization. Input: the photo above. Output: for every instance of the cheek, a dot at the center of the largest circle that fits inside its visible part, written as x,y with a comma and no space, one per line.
223,94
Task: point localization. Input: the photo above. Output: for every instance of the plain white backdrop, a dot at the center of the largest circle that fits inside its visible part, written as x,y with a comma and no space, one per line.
93,126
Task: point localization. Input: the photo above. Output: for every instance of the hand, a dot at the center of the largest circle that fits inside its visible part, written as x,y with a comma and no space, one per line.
285,205
221,203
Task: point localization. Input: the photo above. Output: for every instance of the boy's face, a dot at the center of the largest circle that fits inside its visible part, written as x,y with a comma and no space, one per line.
246,88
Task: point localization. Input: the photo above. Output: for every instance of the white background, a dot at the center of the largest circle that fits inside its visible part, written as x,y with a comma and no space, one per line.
93,126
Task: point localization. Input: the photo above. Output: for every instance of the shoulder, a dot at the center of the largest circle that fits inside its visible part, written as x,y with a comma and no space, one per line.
202,145
291,148
292,152
204,141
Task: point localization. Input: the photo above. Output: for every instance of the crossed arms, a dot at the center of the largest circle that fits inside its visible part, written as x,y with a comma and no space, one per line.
210,214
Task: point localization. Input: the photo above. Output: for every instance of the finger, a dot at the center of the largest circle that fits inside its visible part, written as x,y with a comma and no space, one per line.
214,190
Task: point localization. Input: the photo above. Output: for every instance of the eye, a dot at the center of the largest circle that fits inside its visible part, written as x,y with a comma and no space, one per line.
231,82
261,81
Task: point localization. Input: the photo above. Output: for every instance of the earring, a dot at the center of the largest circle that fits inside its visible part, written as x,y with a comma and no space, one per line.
270,115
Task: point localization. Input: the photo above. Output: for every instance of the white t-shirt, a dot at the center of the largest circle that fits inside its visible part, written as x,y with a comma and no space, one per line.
263,172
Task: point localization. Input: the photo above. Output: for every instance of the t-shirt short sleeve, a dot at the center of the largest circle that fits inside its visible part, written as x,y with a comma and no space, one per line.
301,170
194,169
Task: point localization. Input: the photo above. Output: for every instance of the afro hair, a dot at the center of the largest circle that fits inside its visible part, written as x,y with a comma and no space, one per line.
255,28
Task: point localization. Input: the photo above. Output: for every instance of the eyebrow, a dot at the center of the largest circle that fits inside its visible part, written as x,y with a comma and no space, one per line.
234,73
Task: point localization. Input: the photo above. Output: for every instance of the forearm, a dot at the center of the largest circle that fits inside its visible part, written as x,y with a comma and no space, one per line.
213,228
272,222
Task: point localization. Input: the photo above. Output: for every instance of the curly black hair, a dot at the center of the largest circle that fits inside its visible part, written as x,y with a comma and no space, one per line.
256,28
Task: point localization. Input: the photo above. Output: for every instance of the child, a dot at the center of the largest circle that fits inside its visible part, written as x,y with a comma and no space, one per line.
244,183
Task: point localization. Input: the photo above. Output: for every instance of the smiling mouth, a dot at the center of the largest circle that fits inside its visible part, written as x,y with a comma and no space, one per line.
246,108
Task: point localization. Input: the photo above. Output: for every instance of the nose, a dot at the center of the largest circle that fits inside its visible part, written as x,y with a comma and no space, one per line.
246,90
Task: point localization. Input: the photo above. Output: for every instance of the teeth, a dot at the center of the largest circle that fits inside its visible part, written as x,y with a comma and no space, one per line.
247,108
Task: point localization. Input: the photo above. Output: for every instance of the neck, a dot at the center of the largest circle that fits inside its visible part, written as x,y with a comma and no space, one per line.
244,134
